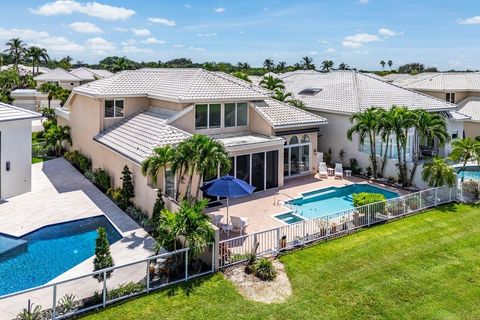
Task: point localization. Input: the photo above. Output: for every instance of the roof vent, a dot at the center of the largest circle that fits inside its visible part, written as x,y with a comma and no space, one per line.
310,91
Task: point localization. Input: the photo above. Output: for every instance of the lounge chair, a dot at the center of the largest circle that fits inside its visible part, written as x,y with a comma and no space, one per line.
322,169
215,218
338,170
239,224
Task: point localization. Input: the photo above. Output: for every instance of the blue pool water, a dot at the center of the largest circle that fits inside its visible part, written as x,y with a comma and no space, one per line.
326,201
51,251
470,173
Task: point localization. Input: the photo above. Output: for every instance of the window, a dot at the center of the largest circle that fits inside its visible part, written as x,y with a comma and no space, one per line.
170,183
450,97
208,116
114,108
294,140
258,171
236,114
455,134
305,138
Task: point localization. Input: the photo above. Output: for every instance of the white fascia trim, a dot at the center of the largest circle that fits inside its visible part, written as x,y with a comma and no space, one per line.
250,146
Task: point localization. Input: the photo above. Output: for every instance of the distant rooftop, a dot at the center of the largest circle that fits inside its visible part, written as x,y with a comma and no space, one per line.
58,74
471,108
445,81
11,113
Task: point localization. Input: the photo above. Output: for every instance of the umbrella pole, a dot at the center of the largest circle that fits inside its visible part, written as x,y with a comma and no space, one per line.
228,222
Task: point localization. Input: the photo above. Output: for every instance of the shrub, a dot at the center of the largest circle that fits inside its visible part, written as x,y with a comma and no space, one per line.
102,179
140,216
364,198
251,260
30,312
125,289
103,258
264,269
354,166
157,210
127,186
67,303
115,194
78,160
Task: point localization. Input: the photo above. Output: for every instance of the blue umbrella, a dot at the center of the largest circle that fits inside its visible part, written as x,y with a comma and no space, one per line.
228,187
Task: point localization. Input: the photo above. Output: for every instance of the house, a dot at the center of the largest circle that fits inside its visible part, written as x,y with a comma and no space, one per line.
118,120
15,150
24,70
337,95
461,88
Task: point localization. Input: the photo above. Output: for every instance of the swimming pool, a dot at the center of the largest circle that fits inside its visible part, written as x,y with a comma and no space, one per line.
470,173
49,252
322,202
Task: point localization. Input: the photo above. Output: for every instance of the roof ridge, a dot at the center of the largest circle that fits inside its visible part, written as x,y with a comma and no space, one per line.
356,90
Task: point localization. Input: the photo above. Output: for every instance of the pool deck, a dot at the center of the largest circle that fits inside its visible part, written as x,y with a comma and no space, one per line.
260,208
59,194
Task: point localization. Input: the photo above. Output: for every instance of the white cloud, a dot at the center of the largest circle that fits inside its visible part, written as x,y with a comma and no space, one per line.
388,32
362,1
472,20
59,45
93,9
323,41
128,42
313,53
24,34
135,49
351,44
178,45
196,48
357,40
188,6
220,10
330,50
163,21
99,45
85,27
153,40
141,32
119,29
207,35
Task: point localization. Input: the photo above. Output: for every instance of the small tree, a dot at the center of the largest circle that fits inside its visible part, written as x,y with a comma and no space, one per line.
157,209
127,186
103,257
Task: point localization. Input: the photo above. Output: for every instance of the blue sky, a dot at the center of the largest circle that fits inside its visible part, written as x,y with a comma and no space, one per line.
441,33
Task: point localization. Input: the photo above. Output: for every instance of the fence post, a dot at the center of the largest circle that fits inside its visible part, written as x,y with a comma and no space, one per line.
104,295
421,202
216,250
148,276
303,231
278,239
368,215
54,304
186,264
213,257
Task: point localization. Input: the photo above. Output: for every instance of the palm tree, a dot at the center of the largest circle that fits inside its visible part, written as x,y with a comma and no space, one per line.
281,66
390,64
385,128
16,50
428,126
62,95
157,162
241,75
465,150
120,64
56,136
268,64
51,89
343,66
365,124
272,83
297,103
327,65
307,63
382,63
181,162
281,95
37,54
438,173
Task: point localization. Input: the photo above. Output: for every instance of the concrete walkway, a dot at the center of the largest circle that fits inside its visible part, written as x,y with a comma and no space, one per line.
59,194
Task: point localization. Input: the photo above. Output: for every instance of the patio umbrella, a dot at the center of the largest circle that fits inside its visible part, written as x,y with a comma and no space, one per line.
227,187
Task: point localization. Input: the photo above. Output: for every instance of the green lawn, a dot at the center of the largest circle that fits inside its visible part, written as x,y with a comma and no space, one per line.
422,267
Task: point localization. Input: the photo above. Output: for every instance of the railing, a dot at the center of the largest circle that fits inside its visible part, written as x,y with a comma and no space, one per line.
272,241
98,289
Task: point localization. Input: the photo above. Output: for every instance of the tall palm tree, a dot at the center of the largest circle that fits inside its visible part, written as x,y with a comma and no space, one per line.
465,150
157,162
281,95
268,64
37,55
16,50
241,75
438,173
365,124
281,66
390,64
327,65
51,89
385,129
428,127
297,103
382,63
272,83
307,63
181,163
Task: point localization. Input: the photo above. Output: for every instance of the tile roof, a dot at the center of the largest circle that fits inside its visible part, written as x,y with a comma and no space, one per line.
283,115
136,136
455,115
10,113
179,85
246,138
352,91
88,74
58,74
445,81
26,70
470,107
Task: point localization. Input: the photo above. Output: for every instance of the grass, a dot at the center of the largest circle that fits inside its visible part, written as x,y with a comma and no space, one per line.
422,267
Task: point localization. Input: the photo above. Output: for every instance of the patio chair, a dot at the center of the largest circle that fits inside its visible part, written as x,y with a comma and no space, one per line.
215,218
322,169
239,224
338,170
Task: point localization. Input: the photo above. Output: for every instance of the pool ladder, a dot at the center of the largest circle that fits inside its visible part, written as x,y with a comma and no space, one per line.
275,202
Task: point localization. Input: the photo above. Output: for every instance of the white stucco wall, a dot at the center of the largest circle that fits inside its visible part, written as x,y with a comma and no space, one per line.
16,148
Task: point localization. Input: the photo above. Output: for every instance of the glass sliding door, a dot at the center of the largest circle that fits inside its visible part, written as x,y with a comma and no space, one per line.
170,183
305,158
272,169
258,171
286,162
294,160
242,168
296,156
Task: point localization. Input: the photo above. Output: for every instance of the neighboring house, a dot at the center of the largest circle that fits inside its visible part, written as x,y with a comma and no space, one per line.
119,120
15,150
337,95
24,70
61,77
461,88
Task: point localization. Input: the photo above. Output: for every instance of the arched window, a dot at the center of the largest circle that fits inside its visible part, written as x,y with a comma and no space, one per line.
294,140
305,138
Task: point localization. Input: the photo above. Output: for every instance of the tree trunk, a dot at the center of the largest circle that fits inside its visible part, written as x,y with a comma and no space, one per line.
399,160
200,179
416,158
189,185
179,180
373,154
385,156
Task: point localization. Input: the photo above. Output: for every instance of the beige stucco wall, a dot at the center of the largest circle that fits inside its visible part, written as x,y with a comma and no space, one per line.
459,95
472,129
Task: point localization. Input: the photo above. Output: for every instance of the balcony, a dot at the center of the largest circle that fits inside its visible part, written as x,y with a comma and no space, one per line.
63,112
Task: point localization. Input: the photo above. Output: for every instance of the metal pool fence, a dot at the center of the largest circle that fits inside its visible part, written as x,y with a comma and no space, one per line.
98,289
272,241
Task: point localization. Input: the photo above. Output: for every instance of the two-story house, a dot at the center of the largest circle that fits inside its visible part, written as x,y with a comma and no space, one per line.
118,121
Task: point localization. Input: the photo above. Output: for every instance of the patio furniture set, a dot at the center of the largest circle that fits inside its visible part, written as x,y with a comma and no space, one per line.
236,224
338,171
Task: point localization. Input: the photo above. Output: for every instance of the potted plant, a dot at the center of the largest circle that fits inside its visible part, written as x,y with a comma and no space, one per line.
283,242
